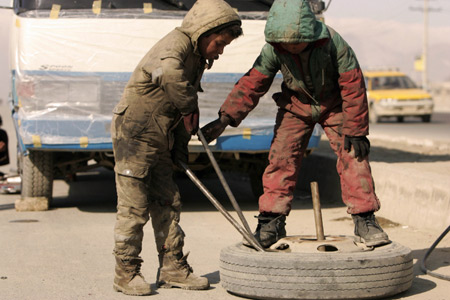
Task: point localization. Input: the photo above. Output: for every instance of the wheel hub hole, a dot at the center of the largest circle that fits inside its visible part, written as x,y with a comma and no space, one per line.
327,248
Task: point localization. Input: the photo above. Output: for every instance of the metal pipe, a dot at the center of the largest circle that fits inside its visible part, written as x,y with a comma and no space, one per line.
249,237
317,211
224,182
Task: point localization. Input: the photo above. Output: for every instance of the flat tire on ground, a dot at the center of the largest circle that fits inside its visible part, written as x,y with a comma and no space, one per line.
37,174
382,272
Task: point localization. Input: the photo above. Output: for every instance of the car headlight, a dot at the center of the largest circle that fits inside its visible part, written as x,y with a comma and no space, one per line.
388,101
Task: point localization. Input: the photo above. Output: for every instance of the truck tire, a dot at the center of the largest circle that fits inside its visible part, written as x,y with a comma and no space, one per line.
384,271
37,175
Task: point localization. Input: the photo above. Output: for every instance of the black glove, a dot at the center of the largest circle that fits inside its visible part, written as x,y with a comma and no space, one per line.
214,129
360,143
179,154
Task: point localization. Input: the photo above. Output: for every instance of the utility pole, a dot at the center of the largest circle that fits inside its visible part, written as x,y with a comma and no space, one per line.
424,58
425,46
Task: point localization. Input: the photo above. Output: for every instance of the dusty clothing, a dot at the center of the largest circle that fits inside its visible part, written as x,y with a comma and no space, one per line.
138,198
146,130
329,90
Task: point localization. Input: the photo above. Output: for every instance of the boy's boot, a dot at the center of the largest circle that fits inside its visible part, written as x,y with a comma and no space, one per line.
129,279
174,271
368,230
271,228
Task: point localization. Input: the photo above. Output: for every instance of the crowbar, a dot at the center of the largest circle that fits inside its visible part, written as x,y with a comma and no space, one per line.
249,237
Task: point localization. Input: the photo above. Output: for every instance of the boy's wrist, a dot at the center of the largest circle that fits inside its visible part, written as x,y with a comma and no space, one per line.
225,119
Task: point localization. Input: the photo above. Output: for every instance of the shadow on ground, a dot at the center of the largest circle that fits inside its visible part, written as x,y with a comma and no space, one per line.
95,192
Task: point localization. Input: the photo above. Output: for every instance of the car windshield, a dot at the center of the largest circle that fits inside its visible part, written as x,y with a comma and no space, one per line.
392,82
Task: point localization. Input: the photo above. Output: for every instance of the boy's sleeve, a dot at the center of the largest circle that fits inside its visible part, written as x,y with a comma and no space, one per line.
177,87
252,86
353,89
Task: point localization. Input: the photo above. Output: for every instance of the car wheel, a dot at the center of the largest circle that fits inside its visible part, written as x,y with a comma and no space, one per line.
426,118
334,274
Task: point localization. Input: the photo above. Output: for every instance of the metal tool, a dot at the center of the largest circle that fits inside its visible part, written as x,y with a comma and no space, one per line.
223,181
247,235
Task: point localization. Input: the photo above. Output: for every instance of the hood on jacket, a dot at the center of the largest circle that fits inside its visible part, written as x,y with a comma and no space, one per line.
292,21
206,15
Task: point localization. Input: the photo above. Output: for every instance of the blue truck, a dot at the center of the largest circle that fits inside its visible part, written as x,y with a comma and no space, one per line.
70,61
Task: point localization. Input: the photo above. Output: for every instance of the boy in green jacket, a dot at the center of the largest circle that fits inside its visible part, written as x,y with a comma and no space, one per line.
322,83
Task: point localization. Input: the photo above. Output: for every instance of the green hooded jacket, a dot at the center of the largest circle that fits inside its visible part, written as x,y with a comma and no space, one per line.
335,78
162,89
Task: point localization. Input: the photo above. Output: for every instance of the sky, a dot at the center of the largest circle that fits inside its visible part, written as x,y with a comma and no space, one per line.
400,10
387,33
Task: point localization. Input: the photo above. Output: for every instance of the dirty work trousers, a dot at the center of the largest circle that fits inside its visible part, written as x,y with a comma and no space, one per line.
291,136
157,196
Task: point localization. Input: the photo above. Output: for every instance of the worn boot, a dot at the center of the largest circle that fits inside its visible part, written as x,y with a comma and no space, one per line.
175,271
368,230
271,228
129,279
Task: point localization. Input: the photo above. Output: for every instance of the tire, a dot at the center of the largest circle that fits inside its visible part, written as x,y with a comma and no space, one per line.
37,175
400,119
426,118
385,271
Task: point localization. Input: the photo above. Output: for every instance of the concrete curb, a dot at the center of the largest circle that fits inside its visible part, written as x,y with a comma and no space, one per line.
408,194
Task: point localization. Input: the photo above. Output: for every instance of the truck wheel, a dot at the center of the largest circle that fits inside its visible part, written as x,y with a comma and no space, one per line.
37,176
400,119
382,272
426,118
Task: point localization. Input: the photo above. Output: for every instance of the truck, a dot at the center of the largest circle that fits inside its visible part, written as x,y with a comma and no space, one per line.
70,61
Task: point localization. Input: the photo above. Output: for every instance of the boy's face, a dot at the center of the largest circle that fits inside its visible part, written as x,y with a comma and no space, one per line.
212,46
294,48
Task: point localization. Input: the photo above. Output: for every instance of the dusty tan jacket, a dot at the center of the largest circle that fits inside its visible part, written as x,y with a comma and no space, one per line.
162,88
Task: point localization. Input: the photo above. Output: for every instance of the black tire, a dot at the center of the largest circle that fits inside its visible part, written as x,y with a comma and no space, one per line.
426,118
385,271
400,119
37,174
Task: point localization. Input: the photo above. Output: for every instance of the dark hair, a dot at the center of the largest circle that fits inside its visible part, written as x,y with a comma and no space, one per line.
234,29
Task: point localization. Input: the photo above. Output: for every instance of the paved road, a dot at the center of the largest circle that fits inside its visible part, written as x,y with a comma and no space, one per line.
414,132
65,253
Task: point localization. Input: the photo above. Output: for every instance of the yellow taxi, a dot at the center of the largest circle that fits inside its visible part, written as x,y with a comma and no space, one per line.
393,94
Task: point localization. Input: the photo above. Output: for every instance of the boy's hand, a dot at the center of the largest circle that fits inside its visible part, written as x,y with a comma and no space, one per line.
214,129
360,143
191,122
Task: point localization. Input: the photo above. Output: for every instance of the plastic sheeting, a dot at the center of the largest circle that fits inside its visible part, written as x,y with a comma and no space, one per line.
69,71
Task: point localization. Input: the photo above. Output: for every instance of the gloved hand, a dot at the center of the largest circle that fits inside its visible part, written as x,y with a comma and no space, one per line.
214,129
191,122
179,154
360,143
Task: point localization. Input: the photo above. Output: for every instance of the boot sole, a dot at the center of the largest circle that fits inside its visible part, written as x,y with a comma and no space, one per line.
135,293
374,243
169,285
